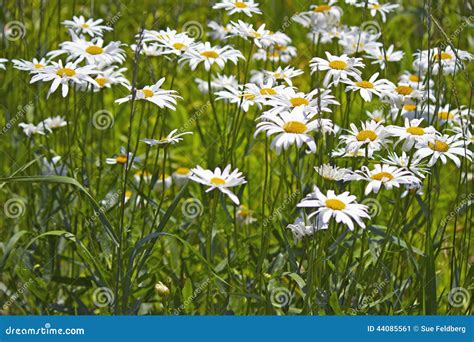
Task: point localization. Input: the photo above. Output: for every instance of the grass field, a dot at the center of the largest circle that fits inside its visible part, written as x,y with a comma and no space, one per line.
104,211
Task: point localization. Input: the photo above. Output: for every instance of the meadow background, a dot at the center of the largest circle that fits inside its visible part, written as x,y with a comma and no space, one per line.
58,256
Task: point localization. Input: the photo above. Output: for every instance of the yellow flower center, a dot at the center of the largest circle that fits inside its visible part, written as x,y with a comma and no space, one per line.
439,146
210,54
409,107
296,127
248,96
338,65
85,26
94,50
147,92
335,204
299,101
365,84
443,56
415,130
182,170
65,72
404,90
121,159
240,4
366,134
382,176
445,116
322,8
179,46
414,78
217,181
38,66
376,6
101,81
143,173
268,91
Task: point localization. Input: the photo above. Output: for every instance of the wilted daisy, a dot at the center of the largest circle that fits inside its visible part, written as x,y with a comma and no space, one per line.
411,133
248,7
171,139
338,68
370,87
90,26
384,175
154,94
381,56
292,127
63,75
304,227
221,180
372,136
342,207
123,158
33,66
210,55
443,147
331,173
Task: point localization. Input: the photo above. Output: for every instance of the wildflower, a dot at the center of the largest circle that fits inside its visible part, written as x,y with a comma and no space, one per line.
248,7
123,158
367,88
171,139
33,66
339,68
210,55
90,26
411,133
443,147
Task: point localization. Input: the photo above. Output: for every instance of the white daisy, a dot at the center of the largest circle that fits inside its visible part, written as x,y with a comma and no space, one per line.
210,55
123,158
332,173
285,74
443,147
372,137
217,179
170,139
90,26
33,66
248,7
367,88
381,56
342,207
411,133
338,68
30,129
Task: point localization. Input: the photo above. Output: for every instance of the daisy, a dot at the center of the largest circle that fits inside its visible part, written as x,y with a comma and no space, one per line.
375,7
90,26
372,137
301,228
367,88
218,82
381,56
181,175
342,207
338,68
163,183
110,76
217,179
170,139
218,32
264,90
33,66
292,128
143,175
411,133
445,115
63,75
53,123
261,36
320,17
244,215
332,173
175,44
409,163
123,158
237,96
210,55
403,93
285,74
2,63
384,175
376,115
154,94
358,40
29,129
94,52
440,147
248,7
